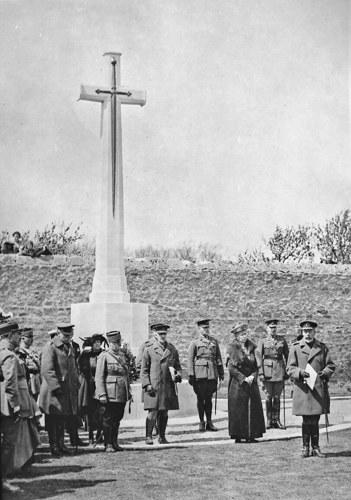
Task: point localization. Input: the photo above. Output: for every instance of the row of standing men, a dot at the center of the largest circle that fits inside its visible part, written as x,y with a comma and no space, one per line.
101,387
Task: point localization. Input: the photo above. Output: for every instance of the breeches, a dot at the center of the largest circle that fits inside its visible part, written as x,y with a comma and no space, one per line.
205,388
113,414
273,389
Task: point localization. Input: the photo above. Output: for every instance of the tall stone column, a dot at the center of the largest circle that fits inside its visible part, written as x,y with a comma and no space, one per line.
109,306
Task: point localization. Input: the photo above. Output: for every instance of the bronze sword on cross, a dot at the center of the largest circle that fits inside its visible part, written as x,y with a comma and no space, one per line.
117,95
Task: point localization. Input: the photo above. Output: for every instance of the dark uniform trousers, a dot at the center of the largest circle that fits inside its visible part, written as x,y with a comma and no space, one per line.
9,430
112,414
204,390
157,419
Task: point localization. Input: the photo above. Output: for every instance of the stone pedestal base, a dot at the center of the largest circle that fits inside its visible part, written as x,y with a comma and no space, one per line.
129,318
187,404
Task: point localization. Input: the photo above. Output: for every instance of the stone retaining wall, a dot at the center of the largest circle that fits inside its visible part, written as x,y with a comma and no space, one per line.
41,291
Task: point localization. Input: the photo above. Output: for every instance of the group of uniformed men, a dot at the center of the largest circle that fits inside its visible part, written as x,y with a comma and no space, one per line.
96,381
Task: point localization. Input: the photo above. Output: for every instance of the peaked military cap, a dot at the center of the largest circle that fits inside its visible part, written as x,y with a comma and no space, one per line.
308,323
159,327
203,321
4,315
53,332
6,328
272,321
239,327
27,332
114,335
65,327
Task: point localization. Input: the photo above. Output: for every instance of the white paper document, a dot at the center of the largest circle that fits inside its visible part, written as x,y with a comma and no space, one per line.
311,380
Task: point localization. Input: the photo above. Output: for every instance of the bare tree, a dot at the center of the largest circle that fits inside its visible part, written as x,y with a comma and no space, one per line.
290,244
333,239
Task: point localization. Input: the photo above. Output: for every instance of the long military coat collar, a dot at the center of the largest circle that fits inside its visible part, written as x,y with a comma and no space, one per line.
310,351
163,353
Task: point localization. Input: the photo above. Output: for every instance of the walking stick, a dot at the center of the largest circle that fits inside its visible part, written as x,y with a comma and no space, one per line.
325,387
284,403
216,401
249,411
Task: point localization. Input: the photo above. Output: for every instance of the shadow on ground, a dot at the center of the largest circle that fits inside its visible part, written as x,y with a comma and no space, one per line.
40,489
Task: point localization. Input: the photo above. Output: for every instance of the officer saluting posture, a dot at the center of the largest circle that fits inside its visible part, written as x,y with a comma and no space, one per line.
160,371
272,353
204,368
307,402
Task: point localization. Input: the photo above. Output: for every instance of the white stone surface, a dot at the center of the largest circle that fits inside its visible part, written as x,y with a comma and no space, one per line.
130,319
187,405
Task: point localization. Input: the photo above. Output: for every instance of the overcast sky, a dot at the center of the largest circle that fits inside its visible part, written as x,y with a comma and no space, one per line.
246,123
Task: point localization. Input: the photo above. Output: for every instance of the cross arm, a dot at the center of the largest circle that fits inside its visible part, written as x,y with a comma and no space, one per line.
88,93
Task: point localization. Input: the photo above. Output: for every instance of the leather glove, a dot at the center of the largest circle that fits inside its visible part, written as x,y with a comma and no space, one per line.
151,392
57,392
304,374
178,378
249,379
191,380
103,400
323,376
16,415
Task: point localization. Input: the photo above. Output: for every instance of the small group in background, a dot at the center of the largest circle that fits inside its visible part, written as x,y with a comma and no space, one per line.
25,248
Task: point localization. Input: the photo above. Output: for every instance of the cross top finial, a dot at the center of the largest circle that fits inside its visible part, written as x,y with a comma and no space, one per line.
113,55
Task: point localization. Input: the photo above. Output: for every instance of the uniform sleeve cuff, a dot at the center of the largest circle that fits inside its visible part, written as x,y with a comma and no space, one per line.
16,408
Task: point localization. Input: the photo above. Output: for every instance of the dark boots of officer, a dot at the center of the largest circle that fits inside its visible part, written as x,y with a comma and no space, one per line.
208,412
72,429
310,432
50,425
162,424
276,413
60,436
269,409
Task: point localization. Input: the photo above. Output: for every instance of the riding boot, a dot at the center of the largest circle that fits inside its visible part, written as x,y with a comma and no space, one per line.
305,453
91,436
50,425
60,438
115,444
208,412
149,425
316,452
277,423
74,437
108,439
163,419
201,412
269,413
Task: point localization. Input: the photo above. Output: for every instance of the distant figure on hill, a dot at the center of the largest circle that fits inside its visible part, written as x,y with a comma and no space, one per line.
13,246
29,251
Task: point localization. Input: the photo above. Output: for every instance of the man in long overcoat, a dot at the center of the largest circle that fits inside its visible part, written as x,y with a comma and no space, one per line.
160,372
204,368
307,356
60,383
272,353
18,410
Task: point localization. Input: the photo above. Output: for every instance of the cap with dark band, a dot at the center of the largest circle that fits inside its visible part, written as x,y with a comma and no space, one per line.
239,327
114,335
8,328
308,324
65,327
4,315
203,322
88,341
159,327
27,332
52,333
272,321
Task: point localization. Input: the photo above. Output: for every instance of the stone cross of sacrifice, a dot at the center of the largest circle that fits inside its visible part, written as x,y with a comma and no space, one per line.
109,284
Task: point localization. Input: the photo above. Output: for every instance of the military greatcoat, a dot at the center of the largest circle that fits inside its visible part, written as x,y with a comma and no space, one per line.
59,371
14,389
155,372
305,400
